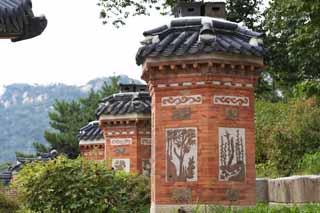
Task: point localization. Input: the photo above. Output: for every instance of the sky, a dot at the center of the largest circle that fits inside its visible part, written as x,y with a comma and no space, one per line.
75,47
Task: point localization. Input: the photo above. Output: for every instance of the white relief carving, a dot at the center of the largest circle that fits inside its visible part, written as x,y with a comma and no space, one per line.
145,141
231,100
232,154
181,149
121,164
181,100
120,141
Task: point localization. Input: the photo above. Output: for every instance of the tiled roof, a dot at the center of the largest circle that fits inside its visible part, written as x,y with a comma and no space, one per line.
5,177
91,131
125,103
199,35
17,20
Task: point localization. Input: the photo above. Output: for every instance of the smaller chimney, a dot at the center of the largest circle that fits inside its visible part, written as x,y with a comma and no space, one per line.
133,88
213,8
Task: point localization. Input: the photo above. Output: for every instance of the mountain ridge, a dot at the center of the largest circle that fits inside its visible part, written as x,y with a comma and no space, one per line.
24,111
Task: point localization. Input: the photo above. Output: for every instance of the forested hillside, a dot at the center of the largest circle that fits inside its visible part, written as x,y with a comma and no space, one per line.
24,112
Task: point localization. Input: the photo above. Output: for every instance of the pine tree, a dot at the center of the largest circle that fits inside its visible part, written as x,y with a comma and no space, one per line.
68,117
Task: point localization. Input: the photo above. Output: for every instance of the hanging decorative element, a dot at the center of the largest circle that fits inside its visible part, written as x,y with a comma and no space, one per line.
181,148
232,160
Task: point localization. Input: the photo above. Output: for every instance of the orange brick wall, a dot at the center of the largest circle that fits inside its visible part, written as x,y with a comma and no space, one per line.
207,118
92,152
135,151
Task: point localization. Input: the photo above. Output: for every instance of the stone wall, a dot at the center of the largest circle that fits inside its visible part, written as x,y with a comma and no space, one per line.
294,189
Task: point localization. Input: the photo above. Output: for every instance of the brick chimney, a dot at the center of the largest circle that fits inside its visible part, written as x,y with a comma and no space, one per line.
214,9
201,73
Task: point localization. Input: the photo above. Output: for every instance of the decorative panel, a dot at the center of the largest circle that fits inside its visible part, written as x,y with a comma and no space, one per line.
181,100
121,164
181,114
181,195
120,141
146,167
232,160
181,150
231,113
231,100
120,150
145,141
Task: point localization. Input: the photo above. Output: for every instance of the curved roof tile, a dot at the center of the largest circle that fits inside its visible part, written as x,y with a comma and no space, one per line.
181,38
125,103
18,22
91,131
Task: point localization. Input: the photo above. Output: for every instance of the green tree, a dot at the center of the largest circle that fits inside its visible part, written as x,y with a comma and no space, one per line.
63,185
68,117
293,39
285,132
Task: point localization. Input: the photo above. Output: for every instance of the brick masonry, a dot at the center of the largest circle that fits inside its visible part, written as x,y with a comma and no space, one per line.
192,92
93,151
127,145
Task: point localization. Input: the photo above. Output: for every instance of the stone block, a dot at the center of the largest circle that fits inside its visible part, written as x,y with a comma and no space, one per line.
262,189
295,189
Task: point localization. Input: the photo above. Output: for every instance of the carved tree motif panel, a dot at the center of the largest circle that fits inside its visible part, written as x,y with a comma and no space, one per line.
232,161
146,167
181,151
181,100
121,164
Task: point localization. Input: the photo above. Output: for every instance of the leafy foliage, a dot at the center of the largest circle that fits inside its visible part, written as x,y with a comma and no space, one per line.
293,39
7,205
68,117
310,164
285,132
64,185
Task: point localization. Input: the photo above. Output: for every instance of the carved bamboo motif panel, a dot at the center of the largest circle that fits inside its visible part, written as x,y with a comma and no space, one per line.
181,154
181,100
232,160
121,164
231,100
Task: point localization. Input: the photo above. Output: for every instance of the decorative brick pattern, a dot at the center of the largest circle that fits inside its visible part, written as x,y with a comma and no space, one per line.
181,114
120,141
181,100
232,160
181,154
231,100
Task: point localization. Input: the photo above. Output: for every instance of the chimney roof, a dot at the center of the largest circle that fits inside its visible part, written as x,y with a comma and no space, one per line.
199,35
125,103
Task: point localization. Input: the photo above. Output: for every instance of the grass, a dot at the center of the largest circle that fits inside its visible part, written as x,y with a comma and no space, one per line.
263,208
